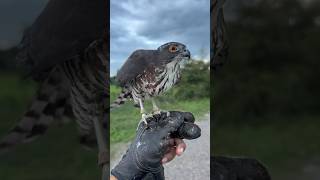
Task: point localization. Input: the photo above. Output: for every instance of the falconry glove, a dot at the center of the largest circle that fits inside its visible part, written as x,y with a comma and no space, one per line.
151,143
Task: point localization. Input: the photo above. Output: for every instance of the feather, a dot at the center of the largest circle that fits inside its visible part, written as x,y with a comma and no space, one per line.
136,64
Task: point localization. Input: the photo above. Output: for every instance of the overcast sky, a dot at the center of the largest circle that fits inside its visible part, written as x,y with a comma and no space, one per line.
135,24
15,16
147,24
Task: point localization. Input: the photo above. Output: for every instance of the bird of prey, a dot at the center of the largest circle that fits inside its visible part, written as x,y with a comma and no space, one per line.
148,73
65,51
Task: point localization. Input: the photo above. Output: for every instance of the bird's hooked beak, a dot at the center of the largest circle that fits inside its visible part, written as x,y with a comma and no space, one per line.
186,57
186,54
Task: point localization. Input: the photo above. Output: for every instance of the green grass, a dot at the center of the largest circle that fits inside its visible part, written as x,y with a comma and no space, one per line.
56,155
124,119
284,146
15,95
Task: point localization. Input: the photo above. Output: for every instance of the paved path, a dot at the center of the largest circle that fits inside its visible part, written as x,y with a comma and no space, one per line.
194,164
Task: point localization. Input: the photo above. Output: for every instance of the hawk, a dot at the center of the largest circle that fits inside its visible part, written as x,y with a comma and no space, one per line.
149,73
65,51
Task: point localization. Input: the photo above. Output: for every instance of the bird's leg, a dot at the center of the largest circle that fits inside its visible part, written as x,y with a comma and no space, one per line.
156,109
143,112
102,146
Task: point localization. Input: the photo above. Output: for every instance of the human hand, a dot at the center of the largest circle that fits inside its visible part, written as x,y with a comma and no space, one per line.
156,143
177,145
176,148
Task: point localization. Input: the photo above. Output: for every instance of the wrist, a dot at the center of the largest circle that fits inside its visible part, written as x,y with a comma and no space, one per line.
127,168
132,167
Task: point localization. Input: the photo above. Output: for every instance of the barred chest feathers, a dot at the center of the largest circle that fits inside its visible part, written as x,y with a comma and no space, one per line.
156,80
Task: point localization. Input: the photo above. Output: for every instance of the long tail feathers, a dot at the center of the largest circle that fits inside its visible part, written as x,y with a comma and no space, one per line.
124,96
50,103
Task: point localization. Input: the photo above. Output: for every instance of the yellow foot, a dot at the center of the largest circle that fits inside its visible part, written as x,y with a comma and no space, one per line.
159,111
144,118
156,111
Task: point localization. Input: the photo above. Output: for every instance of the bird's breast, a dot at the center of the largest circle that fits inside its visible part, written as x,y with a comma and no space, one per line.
156,80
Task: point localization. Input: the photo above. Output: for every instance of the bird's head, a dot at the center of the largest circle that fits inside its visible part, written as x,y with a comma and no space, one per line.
174,51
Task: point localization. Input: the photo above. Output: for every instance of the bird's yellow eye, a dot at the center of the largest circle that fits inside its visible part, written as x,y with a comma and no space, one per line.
173,48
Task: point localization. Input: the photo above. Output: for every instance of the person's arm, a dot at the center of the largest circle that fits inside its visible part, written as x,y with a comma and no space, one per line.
175,150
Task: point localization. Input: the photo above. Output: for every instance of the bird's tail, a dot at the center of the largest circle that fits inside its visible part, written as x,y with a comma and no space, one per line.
51,102
124,96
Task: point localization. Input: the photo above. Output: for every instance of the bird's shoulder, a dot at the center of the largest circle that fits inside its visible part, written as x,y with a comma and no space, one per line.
136,64
142,54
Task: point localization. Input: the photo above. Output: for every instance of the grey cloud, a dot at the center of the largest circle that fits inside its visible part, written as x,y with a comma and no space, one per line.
148,24
15,17
135,24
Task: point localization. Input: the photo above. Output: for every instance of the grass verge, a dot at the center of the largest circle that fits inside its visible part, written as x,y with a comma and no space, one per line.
124,119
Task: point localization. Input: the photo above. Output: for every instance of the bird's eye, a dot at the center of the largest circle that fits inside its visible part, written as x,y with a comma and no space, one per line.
173,48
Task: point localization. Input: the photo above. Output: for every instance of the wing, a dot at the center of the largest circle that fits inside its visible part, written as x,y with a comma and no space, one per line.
137,62
62,30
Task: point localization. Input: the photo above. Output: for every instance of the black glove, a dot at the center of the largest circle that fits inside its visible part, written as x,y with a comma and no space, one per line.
151,143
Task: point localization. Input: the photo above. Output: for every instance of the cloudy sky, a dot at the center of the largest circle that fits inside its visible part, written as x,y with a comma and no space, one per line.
146,24
134,24
15,16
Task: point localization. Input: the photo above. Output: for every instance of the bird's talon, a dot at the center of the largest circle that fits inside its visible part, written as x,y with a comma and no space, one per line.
158,111
144,118
145,121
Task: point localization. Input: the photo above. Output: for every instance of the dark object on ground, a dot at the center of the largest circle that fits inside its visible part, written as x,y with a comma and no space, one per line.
143,158
228,168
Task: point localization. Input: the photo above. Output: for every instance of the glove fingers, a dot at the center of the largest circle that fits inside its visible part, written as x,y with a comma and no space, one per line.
172,124
187,116
189,131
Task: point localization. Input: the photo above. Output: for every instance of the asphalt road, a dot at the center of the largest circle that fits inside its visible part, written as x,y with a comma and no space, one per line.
194,164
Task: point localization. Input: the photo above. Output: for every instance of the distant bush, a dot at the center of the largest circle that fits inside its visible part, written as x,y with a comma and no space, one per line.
195,82
273,68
